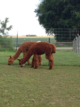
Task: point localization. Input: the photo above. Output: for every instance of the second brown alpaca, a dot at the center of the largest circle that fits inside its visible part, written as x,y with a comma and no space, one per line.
24,47
38,49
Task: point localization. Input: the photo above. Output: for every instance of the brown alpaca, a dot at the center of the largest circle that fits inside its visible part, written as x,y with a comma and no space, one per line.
39,49
24,47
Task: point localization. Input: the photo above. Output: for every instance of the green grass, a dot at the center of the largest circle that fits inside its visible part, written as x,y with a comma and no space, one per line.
67,58
61,57
28,87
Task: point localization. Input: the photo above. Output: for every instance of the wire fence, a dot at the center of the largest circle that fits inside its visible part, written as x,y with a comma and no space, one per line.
59,45
76,45
66,41
14,43
61,37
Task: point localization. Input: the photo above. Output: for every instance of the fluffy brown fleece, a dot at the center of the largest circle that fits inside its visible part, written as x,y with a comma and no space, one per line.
24,47
38,49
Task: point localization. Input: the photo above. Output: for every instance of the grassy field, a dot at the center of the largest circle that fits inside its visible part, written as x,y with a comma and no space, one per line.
61,58
28,87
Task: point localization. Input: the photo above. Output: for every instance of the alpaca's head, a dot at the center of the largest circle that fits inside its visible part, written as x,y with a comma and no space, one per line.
10,60
21,62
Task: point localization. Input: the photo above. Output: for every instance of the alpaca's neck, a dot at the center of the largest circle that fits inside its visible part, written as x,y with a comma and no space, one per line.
26,58
17,54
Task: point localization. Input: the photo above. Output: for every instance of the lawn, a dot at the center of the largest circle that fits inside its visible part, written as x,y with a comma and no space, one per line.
28,87
61,57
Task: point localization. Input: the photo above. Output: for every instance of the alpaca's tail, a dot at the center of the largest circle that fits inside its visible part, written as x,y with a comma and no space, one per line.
54,49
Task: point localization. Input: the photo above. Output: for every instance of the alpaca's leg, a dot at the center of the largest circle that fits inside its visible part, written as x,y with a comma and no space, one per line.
24,54
51,60
32,62
40,59
51,64
35,61
29,62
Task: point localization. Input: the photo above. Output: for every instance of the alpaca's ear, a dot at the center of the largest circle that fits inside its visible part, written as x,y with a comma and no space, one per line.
9,56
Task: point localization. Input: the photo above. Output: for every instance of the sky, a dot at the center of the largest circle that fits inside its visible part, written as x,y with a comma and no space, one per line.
22,17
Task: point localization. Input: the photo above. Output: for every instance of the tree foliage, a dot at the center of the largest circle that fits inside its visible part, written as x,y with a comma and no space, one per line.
4,28
59,14
4,41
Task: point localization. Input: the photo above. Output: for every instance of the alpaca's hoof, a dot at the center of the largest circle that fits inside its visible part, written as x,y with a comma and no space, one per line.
50,68
21,66
35,67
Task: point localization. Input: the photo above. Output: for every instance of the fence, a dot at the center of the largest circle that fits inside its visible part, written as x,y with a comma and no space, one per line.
59,45
14,43
76,45
63,39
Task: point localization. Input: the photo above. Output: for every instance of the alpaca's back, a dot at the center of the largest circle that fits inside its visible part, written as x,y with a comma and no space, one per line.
24,47
41,48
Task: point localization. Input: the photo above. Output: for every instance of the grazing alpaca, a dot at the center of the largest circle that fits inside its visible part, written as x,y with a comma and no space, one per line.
39,49
24,47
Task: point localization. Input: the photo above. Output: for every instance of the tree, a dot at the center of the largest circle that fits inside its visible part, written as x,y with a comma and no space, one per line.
4,28
60,15
4,41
